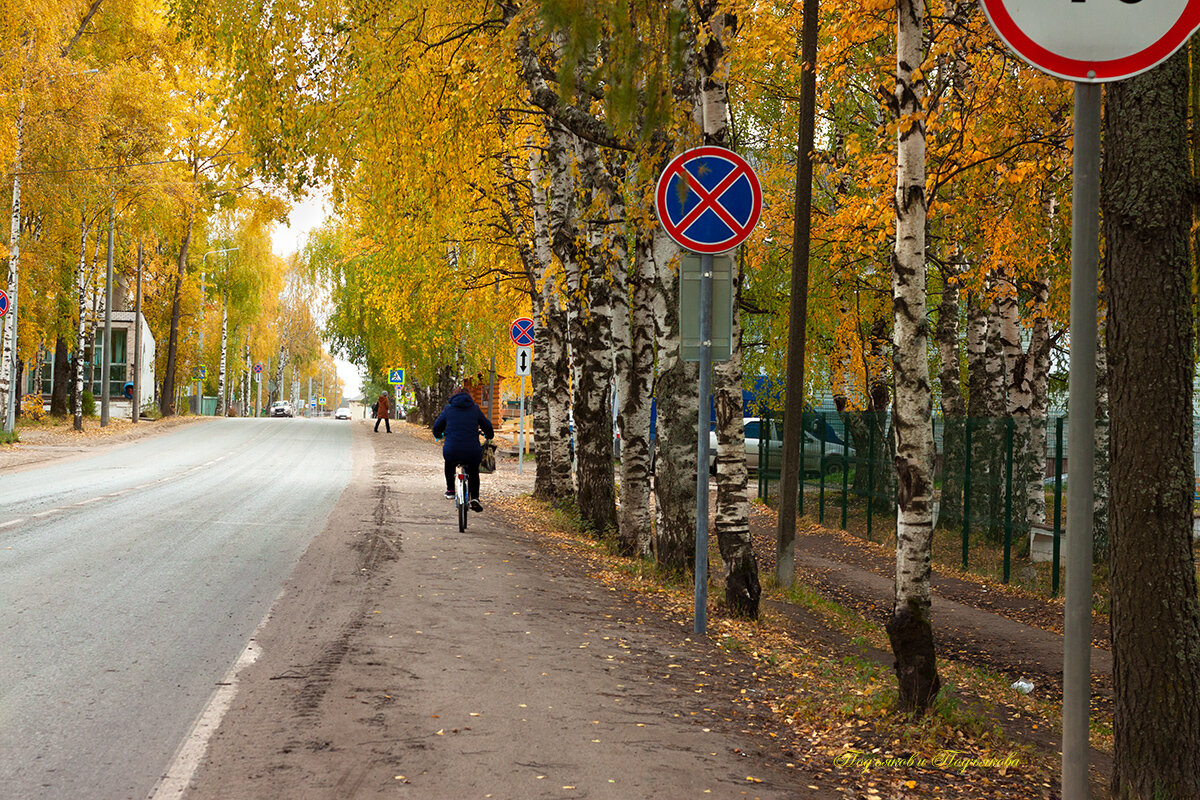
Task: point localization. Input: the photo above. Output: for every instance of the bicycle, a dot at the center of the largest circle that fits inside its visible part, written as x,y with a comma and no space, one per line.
462,496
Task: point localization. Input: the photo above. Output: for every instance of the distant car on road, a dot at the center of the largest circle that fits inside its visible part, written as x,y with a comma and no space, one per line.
343,412
282,409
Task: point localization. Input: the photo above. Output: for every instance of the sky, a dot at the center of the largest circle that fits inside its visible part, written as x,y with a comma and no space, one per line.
304,217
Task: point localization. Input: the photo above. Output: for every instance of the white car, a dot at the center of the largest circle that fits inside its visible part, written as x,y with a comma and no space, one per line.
836,455
343,412
281,408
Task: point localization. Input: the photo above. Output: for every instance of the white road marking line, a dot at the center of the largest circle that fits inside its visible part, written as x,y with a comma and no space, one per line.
45,513
12,522
191,753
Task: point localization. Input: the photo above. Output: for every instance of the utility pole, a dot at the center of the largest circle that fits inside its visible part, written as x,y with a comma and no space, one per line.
793,416
106,352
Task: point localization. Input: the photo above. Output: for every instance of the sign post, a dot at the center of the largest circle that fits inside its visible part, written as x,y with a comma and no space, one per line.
396,379
524,367
708,200
521,333
258,368
1088,43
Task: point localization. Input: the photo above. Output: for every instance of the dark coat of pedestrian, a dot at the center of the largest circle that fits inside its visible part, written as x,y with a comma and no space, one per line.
381,413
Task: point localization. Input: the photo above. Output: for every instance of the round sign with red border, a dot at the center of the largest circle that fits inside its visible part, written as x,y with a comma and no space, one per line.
1094,41
708,199
521,332
3,302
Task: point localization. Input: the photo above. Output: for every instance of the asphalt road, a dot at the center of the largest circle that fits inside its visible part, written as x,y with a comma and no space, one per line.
130,581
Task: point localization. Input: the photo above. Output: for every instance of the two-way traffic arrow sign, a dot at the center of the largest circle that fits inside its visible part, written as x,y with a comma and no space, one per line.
524,361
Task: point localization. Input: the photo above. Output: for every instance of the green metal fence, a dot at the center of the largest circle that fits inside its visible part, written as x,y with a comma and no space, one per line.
998,501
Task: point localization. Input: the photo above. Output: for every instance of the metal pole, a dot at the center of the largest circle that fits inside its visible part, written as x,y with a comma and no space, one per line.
1085,255
200,355
106,356
136,412
521,447
706,303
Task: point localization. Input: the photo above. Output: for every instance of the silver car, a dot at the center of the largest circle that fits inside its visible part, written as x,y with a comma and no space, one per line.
836,455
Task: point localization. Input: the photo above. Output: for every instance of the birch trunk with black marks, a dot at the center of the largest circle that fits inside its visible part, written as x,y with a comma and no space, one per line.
732,513
635,371
1018,401
676,391
224,347
910,628
953,405
552,479
81,286
9,351
591,345
1038,378
1147,194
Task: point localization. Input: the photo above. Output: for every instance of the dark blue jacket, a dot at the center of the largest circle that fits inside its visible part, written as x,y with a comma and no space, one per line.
461,420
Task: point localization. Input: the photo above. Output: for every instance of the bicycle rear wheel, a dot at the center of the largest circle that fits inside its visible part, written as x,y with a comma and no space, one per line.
463,500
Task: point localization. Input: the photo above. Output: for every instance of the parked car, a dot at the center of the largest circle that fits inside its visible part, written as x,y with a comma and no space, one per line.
282,408
837,456
343,412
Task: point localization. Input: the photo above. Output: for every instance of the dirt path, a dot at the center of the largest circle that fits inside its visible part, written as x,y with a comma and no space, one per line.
974,623
407,660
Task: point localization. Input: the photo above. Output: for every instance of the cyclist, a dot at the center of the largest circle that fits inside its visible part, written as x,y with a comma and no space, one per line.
460,423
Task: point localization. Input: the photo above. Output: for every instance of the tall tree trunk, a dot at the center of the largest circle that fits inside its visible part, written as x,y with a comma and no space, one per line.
634,376
732,521
953,406
62,376
1038,376
591,345
8,353
81,329
166,401
732,517
1019,393
910,629
1147,195
1103,457
678,409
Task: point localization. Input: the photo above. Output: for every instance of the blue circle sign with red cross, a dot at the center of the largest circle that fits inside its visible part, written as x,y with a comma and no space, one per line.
708,199
522,332
3,302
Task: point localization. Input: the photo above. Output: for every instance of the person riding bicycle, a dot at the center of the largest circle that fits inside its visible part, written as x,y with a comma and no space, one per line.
460,422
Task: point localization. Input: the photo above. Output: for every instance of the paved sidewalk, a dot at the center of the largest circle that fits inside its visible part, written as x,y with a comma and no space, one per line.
405,659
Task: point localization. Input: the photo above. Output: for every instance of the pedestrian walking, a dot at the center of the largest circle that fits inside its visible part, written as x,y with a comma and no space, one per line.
381,413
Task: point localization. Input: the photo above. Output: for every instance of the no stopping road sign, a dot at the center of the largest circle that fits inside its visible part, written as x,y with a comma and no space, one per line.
1093,41
708,199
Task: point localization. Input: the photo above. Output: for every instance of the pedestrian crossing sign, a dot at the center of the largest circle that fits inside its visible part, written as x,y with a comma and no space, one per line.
396,377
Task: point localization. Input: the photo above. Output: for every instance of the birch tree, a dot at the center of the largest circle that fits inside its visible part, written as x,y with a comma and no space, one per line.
910,628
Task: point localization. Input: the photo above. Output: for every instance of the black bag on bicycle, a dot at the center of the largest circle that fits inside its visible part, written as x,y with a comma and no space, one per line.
487,464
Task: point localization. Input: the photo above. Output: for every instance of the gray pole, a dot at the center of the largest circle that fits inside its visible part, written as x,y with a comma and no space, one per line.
106,356
1085,255
521,446
792,466
200,356
308,401
137,344
706,304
